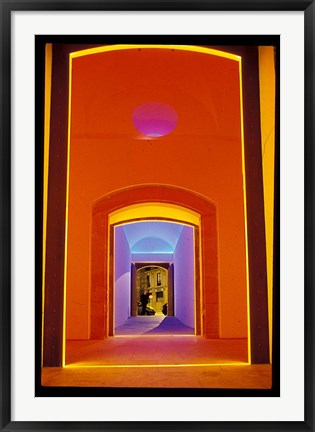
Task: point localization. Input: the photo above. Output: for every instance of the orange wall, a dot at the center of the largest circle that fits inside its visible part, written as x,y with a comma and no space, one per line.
203,155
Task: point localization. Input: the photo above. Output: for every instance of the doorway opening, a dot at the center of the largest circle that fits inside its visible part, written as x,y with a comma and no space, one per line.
115,227
154,283
157,203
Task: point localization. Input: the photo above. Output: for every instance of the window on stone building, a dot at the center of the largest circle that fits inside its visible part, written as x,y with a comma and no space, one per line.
159,296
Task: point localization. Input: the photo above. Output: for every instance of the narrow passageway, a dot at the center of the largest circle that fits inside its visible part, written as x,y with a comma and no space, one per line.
156,325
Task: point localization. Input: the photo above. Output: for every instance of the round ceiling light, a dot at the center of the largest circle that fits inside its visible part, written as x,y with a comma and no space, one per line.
154,119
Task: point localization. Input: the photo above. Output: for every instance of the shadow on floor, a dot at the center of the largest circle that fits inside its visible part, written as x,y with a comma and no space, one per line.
171,325
156,325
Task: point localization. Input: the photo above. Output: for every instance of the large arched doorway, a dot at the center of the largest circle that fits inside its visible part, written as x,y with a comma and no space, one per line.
94,321
157,202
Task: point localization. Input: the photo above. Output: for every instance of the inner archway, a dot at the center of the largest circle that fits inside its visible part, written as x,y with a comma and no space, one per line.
159,203
155,263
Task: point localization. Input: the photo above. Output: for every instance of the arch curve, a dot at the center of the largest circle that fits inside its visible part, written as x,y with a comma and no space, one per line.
162,266
102,254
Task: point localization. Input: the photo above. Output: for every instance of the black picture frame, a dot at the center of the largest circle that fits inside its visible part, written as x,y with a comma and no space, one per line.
6,7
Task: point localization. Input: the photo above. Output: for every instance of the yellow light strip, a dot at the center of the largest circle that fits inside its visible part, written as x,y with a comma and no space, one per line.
66,221
123,366
48,69
153,219
154,210
136,336
245,213
198,49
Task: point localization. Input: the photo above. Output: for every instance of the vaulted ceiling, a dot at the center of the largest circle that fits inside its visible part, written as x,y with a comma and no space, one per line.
152,237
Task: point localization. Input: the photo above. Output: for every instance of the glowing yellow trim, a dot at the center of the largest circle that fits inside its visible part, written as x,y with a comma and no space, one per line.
154,210
152,219
198,49
48,69
177,336
66,222
245,213
119,366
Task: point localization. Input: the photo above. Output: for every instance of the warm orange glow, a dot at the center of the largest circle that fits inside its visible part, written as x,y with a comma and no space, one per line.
48,68
193,174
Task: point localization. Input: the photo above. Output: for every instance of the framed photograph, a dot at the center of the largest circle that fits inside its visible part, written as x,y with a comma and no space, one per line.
157,216
174,218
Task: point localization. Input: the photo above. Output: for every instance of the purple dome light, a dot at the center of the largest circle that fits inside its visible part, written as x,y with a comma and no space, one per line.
154,119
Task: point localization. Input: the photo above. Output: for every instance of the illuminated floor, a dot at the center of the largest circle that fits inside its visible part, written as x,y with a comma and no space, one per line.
156,350
159,361
228,377
154,325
